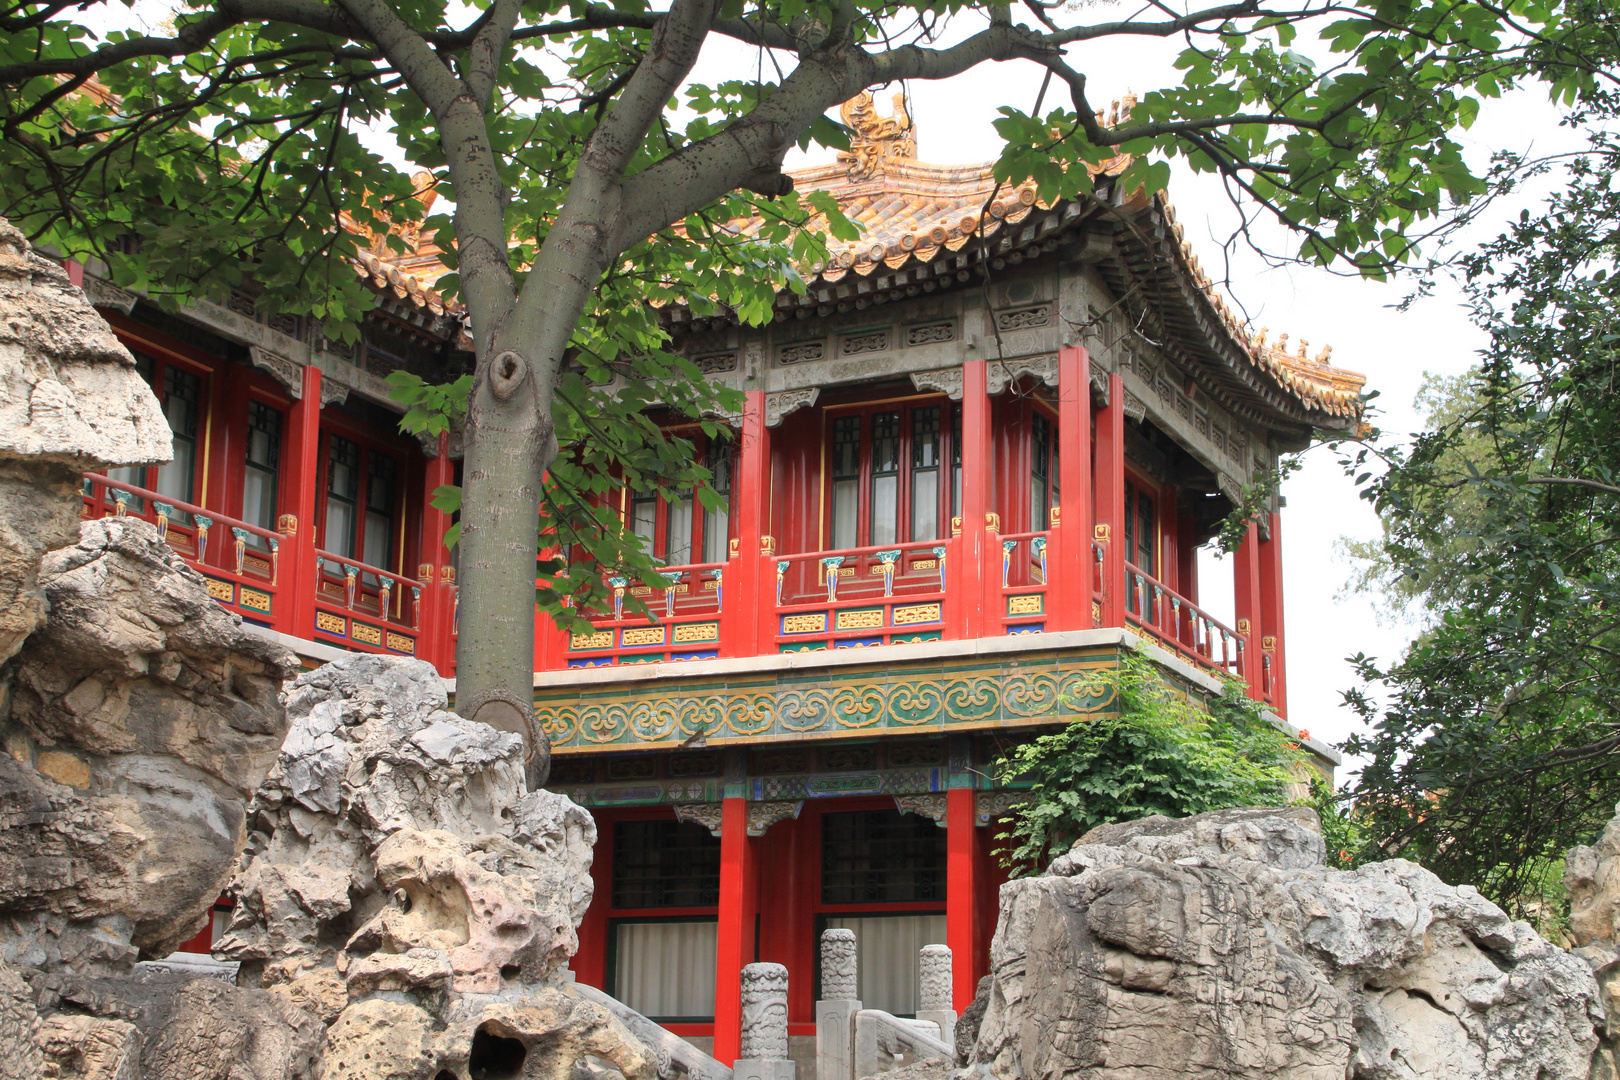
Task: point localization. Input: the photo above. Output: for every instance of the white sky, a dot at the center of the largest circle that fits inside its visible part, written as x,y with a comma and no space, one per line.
1394,349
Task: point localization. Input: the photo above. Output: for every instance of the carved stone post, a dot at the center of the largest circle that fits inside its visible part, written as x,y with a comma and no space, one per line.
764,1048
934,990
835,1012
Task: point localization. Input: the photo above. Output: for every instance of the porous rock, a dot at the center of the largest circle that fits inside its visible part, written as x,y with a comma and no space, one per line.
70,401
1592,885
1220,946
141,718
401,883
538,1037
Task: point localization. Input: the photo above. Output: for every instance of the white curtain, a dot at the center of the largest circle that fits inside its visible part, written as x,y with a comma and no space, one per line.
886,949
666,969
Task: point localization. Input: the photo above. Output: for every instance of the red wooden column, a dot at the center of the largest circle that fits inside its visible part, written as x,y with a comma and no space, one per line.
739,902
1110,502
227,437
964,603
748,621
1271,614
962,921
590,962
433,643
1246,608
1068,596
297,526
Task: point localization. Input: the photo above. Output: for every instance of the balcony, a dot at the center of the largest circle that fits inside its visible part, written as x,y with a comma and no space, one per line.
283,582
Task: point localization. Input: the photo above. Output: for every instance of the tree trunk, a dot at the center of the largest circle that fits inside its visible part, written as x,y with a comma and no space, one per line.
509,444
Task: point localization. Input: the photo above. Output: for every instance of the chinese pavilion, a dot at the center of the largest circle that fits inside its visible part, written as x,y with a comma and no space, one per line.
975,463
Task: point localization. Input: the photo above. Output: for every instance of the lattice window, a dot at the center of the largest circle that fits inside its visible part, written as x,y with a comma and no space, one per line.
881,856
663,864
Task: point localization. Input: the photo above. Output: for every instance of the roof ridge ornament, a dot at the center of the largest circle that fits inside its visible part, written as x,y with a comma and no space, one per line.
876,139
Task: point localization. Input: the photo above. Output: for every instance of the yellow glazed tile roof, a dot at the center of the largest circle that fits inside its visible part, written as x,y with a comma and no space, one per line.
913,214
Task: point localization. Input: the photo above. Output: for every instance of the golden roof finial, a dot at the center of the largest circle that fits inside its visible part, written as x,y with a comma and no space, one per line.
875,138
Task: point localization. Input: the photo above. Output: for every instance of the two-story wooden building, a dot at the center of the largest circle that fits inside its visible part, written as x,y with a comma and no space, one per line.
976,461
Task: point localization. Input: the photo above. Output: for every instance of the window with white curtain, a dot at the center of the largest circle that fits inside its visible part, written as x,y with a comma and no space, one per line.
665,969
886,949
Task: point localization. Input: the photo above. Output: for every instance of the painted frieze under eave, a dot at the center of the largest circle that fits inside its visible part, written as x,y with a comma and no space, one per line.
930,696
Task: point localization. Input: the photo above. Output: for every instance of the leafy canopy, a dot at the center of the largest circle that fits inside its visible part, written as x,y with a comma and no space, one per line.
592,179
1163,751
1496,744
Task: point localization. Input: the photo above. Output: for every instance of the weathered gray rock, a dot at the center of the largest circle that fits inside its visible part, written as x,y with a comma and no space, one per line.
70,401
392,828
20,1058
1592,885
538,1037
1220,946
400,883
141,718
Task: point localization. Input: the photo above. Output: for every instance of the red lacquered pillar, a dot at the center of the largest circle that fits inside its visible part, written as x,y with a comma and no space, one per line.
965,571
590,962
1246,608
1271,615
1110,502
739,891
748,619
1068,593
962,929
433,632
297,527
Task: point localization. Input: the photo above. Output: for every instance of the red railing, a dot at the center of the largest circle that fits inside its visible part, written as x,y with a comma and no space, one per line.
241,561
682,621
876,595
1025,598
1180,625
357,606
366,607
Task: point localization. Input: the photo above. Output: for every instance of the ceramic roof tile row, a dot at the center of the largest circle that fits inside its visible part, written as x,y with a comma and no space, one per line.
911,212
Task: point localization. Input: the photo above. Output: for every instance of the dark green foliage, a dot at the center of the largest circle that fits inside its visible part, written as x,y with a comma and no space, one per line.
1496,743
1165,752
1343,832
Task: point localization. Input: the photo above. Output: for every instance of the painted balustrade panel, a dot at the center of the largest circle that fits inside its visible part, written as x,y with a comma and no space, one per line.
681,621
240,562
365,607
860,597
1180,625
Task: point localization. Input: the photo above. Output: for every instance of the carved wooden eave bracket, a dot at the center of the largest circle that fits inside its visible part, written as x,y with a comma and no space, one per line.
947,381
1000,374
285,371
783,403
928,806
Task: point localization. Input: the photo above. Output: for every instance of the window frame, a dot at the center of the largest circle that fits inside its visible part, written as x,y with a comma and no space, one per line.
278,477
702,447
161,360
368,447
1052,490
614,917
946,468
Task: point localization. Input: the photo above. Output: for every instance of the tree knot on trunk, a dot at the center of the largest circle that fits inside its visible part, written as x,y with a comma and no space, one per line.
506,373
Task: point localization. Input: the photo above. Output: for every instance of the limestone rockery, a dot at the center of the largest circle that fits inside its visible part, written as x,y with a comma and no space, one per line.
1220,946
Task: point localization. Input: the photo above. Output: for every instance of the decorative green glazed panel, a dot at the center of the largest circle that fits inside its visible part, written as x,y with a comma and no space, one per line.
957,694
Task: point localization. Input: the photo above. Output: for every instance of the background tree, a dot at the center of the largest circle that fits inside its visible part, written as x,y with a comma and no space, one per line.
1497,746
572,145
